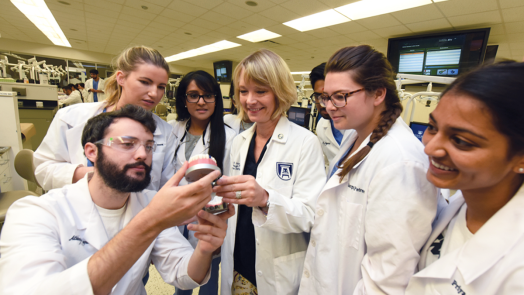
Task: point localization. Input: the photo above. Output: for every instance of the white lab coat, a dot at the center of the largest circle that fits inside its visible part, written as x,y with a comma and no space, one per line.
74,98
370,227
233,121
61,151
101,86
179,128
330,146
491,262
280,240
47,241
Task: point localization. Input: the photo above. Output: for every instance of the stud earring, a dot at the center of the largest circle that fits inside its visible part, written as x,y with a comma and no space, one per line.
521,170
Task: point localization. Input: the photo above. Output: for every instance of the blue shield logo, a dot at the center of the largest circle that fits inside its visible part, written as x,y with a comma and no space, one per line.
284,170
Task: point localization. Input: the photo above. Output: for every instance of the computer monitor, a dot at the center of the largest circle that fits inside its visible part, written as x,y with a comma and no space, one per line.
418,129
299,116
443,54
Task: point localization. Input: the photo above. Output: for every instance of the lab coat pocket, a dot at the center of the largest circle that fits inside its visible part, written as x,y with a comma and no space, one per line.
350,224
156,168
288,272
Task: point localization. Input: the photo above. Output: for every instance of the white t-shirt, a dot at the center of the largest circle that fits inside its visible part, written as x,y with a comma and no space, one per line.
113,220
453,237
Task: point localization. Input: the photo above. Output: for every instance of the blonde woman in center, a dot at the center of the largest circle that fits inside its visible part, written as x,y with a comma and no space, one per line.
277,171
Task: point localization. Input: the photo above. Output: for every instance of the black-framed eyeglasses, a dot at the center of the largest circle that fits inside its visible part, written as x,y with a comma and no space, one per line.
127,144
315,97
339,99
195,97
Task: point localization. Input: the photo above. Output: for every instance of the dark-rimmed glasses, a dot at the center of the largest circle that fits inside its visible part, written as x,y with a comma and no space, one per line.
195,97
338,100
127,144
315,97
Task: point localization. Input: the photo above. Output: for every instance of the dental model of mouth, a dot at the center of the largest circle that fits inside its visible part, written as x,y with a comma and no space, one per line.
200,166
440,166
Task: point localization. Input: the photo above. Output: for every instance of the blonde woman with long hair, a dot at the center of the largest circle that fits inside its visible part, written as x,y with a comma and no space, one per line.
140,79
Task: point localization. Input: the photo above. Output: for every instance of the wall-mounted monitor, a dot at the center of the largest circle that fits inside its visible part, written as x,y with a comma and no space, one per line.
223,70
444,54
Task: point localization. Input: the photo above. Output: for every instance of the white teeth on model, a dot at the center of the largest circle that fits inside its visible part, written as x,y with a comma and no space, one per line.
255,110
202,156
439,166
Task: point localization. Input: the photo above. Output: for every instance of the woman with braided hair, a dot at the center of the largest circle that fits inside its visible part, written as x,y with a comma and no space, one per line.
375,212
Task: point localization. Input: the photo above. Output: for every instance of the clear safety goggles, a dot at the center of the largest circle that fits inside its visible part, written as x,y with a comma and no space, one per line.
128,144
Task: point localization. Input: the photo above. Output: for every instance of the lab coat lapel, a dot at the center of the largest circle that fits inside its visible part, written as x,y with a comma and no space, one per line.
440,224
502,231
87,216
244,148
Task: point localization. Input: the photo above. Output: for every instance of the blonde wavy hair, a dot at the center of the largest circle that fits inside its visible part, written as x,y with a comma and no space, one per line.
264,67
127,62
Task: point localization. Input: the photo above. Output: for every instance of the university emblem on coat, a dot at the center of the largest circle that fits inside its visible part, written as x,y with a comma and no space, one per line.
284,170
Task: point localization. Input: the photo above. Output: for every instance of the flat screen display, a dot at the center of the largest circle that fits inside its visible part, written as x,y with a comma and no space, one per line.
223,70
299,116
418,129
444,54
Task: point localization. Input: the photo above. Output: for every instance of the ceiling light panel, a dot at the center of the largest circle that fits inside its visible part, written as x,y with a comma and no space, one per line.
221,45
260,35
40,15
368,8
318,20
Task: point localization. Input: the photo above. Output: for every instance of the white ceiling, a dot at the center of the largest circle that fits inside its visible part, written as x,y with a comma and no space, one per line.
108,26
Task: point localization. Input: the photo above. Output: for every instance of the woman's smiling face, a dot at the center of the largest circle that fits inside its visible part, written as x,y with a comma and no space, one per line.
465,149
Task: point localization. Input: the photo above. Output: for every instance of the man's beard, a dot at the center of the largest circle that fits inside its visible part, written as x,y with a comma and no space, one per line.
118,179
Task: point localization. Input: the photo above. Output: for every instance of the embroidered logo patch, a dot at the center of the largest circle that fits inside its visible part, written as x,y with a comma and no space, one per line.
80,241
284,170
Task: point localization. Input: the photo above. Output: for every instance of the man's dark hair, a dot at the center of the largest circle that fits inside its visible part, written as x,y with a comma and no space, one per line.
68,87
93,71
317,74
73,86
96,127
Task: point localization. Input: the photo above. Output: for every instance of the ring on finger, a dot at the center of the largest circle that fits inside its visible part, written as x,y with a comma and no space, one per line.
238,194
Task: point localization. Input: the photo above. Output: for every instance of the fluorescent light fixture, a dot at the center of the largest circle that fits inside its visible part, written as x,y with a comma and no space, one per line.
300,73
367,8
260,35
439,1
221,45
40,15
318,20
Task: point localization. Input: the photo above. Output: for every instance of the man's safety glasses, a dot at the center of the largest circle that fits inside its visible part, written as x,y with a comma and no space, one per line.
128,144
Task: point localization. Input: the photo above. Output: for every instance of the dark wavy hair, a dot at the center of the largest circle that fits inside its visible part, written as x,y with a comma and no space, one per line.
372,70
206,83
96,127
498,87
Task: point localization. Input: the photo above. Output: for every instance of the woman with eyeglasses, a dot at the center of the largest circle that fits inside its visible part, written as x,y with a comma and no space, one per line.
140,79
475,144
200,129
375,212
277,171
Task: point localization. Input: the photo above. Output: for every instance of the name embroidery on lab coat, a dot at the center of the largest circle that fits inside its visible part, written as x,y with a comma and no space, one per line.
236,166
325,143
80,241
284,170
458,288
356,189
